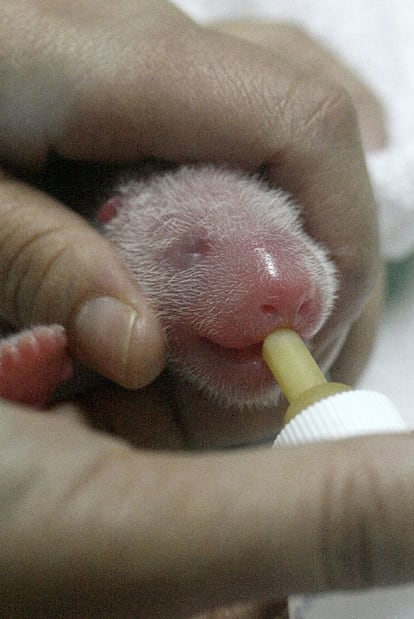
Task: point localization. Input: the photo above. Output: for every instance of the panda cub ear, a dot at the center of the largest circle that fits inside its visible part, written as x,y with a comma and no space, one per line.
128,188
109,209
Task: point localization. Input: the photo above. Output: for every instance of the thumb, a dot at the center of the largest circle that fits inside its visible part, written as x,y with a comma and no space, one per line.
54,268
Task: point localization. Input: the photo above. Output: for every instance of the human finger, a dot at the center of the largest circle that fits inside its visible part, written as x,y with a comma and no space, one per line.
56,269
105,528
348,367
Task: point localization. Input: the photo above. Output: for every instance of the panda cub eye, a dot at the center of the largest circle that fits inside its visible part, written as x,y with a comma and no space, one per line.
189,251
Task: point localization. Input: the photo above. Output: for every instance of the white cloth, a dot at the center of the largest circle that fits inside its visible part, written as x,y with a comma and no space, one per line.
375,38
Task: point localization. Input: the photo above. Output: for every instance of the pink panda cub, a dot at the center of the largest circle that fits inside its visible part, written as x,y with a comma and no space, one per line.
224,260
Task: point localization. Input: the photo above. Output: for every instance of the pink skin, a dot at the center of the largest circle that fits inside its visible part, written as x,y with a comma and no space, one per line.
33,364
225,261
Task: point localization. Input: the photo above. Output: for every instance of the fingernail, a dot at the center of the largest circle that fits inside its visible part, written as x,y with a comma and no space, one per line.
113,339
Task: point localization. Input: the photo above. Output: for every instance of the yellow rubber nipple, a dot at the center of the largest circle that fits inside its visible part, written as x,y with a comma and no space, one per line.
296,371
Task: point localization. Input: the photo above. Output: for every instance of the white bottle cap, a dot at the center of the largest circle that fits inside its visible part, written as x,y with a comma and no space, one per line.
342,415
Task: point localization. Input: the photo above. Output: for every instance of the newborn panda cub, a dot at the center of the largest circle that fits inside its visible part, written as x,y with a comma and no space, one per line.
224,260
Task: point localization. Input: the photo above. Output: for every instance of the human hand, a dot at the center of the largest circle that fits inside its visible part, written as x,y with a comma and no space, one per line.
262,112
93,528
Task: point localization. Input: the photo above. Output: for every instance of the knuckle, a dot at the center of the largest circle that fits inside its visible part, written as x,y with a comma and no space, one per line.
356,527
336,114
36,259
327,111
338,107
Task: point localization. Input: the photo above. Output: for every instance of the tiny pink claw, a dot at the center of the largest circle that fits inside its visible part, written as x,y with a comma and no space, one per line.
33,364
